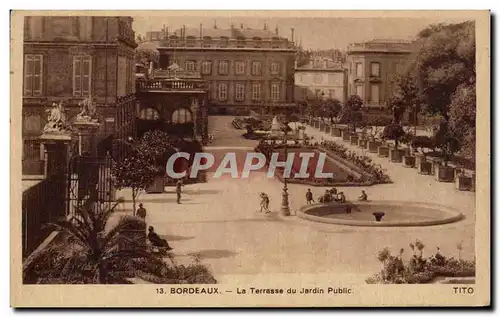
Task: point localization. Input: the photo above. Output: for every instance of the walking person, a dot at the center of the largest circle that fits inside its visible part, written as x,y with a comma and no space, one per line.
309,197
264,203
178,190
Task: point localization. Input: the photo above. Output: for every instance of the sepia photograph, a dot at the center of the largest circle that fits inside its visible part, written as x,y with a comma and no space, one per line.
267,158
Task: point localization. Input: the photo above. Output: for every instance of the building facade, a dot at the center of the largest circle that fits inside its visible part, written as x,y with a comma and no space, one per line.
244,68
320,79
70,59
173,102
372,67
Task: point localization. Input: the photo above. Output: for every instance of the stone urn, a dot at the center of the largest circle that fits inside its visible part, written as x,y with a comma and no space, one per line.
378,215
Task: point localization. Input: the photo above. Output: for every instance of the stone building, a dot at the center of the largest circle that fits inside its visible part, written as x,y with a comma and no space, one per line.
322,78
372,66
244,68
72,58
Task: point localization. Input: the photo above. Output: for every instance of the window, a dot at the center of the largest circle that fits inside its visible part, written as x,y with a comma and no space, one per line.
173,41
190,41
359,91
256,92
359,70
207,41
240,68
222,92
375,69
305,93
240,42
206,67
375,94
331,93
240,92
275,68
190,66
33,75
223,41
149,114
256,68
181,116
256,42
82,68
223,67
318,78
275,92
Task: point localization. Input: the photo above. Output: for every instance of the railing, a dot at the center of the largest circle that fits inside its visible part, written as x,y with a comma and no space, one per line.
230,43
398,47
168,85
41,204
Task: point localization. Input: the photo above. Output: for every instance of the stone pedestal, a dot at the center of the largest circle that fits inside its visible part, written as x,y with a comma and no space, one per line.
363,143
354,139
383,151
336,132
87,131
463,182
328,128
419,159
445,173
396,155
346,135
436,163
409,161
373,146
56,155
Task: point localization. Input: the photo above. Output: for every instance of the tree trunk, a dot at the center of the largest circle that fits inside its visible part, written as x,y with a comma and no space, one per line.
396,143
134,194
102,274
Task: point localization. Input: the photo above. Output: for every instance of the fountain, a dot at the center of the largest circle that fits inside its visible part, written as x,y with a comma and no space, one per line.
395,214
275,127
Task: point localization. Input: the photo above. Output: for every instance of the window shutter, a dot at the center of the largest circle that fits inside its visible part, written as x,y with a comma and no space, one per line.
28,75
37,75
86,70
77,76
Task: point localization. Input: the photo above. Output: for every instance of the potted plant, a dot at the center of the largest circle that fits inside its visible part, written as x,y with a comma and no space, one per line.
351,113
449,144
394,132
462,181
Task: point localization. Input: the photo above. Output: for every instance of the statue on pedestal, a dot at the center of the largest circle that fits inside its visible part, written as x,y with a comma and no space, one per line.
88,111
57,119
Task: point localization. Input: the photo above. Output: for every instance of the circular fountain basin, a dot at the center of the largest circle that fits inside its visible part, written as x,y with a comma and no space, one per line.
396,214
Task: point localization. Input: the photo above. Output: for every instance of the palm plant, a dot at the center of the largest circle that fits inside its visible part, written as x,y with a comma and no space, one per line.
96,248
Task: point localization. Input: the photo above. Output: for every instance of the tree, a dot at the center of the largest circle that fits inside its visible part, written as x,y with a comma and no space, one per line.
351,112
95,251
463,118
394,132
144,56
446,140
332,108
134,171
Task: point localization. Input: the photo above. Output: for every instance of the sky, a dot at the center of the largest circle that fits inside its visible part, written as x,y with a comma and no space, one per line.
314,33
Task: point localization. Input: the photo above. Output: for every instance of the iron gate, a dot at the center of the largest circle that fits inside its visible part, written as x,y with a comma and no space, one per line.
89,177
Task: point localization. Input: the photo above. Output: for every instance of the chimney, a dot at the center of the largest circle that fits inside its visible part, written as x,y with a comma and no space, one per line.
164,33
184,31
241,25
265,26
276,30
215,24
201,31
292,33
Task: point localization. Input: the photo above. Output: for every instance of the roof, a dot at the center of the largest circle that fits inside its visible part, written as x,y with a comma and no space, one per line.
205,32
251,33
149,45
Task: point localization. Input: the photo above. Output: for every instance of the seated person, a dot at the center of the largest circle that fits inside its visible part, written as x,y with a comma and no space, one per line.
156,241
363,196
340,198
333,191
327,197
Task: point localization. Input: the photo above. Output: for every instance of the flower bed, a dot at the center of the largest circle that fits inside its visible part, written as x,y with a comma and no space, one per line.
370,173
420,269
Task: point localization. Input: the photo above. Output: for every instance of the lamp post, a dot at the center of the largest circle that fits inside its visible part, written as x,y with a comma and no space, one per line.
285,208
